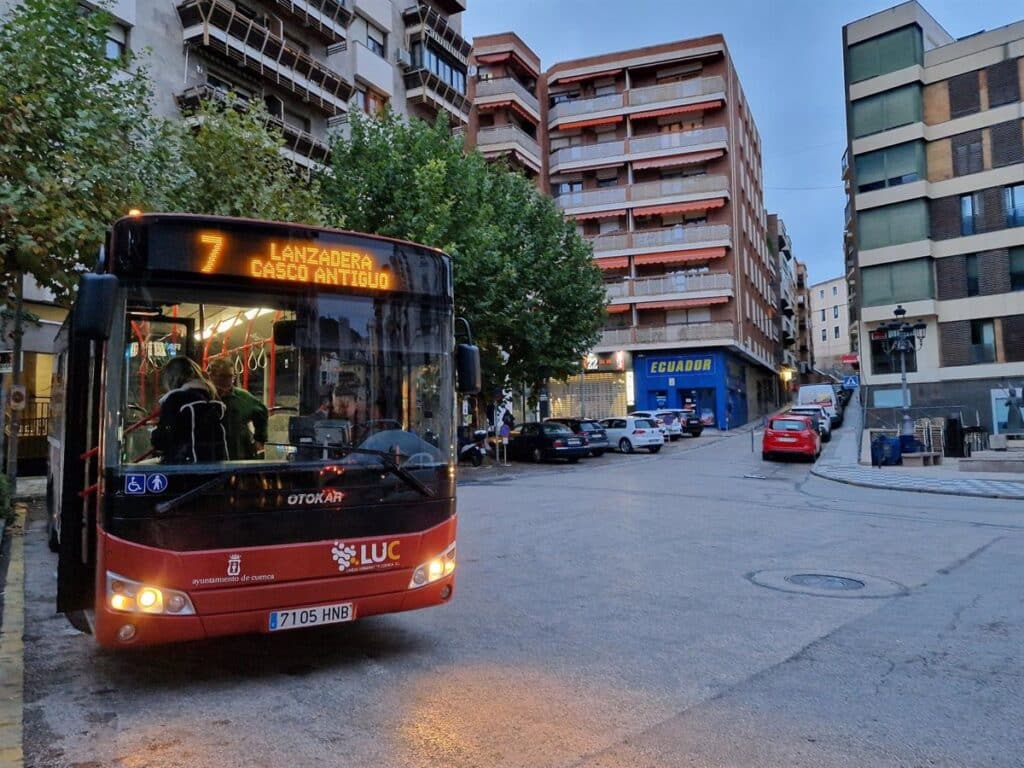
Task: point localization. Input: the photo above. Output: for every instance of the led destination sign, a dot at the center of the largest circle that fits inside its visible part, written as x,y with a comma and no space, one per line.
293,261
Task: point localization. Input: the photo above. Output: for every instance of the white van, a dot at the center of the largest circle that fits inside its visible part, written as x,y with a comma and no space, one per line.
824,396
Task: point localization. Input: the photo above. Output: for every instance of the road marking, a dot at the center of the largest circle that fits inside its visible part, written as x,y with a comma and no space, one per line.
12,648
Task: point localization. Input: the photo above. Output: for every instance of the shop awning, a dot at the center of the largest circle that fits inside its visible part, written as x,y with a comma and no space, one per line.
614,309
667,162
678,257
589,123
589,76
698,107
696,205
494,58
683,303
614,262
599,214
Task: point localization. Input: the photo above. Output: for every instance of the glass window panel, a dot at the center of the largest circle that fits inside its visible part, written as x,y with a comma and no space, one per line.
867,116
1017,269
870,170
899,282
1015,206
886,53
972,275
902,106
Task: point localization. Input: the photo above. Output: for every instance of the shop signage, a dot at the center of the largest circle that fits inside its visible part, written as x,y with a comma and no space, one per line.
681,364
605,361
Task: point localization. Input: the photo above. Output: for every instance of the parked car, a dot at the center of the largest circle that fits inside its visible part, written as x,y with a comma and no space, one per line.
536,441
667,420
627,433
690,423
792,435
822,395
821,420
593,434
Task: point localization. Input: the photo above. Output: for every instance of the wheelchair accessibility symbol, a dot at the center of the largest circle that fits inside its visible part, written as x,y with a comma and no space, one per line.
135,485
156,483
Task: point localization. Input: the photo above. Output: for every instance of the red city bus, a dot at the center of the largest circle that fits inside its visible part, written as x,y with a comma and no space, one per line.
344,508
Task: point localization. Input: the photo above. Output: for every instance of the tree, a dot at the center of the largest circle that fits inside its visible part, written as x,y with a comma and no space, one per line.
225,159
524,278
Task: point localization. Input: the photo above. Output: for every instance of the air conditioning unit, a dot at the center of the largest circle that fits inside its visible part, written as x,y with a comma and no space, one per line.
404,58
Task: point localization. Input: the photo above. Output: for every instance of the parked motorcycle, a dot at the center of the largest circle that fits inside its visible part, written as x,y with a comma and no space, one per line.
474,450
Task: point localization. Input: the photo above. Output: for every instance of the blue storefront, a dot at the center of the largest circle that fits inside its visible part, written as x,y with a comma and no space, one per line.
712,381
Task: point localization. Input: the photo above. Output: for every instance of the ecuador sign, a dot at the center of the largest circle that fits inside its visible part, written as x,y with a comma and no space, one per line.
680,364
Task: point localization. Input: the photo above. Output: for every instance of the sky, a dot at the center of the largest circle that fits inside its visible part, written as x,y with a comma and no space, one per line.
789,57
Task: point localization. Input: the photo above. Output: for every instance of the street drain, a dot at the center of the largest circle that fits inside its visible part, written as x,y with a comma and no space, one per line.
840,584
824,581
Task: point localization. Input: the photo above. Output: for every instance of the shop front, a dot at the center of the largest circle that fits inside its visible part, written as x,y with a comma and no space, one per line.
601,390
711,382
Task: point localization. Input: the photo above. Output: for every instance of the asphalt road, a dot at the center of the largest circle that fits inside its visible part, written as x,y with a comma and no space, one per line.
627,611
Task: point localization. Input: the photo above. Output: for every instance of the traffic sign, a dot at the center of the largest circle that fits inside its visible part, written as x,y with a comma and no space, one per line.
851,382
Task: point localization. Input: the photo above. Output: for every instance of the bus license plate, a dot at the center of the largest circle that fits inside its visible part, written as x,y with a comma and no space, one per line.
310,617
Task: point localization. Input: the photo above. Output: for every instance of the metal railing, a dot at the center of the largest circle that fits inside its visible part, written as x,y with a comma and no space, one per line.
683,186
653,238
678,139
502,86
503,134
602,196
698,86
585,152
670,284
585,106
668,333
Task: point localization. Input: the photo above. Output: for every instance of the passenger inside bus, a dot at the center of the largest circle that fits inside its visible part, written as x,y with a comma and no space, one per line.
245,416
190,428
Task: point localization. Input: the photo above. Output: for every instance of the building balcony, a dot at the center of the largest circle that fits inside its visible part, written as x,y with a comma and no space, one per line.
327,18
218,27
675,286
423,86
640,148
645,194
504,139
698,334
665,238
372,69
639,100
300,145
490,93
451,7
424,23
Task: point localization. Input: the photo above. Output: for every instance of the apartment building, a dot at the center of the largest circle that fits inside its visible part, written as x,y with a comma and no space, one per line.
936,178
655,155
805,357
787,323
831,317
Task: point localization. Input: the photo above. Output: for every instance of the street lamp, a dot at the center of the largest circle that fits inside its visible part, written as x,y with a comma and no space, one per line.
900,336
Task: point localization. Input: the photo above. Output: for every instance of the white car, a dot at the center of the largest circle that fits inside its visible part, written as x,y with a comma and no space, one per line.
667,420
824,422
628,433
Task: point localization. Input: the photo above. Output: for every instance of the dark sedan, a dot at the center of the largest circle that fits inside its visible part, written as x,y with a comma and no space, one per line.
535,441
593,434
690,423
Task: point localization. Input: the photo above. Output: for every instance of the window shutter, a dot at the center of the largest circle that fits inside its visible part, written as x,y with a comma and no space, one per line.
964,95
1007,143
1003,83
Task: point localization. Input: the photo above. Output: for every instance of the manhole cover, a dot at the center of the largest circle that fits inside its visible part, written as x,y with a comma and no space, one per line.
824,581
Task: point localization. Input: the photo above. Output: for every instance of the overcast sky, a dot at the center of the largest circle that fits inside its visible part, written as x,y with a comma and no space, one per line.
789,57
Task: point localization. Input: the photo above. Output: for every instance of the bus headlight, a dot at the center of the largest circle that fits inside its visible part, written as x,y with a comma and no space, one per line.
135,597
434,569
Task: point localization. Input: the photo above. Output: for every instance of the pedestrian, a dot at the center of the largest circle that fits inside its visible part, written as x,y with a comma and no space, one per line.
190,429
245,418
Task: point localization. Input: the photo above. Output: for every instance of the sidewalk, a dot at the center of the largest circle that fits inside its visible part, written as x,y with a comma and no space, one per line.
840,462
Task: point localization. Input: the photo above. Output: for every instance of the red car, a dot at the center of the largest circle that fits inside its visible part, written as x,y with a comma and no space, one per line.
791,434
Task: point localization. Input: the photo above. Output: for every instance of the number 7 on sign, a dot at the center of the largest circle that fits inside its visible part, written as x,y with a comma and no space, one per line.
216,243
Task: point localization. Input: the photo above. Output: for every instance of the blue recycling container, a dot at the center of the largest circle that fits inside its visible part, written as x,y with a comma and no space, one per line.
910,444
886,451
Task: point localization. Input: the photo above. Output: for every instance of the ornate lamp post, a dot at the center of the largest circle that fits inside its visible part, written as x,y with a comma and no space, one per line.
902,337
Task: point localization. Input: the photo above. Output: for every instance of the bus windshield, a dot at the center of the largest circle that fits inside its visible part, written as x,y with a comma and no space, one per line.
294,376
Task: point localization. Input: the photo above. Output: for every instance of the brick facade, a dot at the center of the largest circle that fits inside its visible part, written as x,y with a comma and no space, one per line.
993,272
1007,143
944,217
955,343
951,278
1013,338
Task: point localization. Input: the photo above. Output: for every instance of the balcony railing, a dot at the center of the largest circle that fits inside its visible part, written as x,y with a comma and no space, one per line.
504,86
423,20
700,86
509,134
643,192
586,152
667,236
328,18
638,97
218,26
678,140
670,284
605,196
668,333
422,85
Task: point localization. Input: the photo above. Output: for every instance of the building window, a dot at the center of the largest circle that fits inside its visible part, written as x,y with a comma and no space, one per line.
427,58
823,315
568,187
891,109
604,183
971,210
886,53
1017,269
881,363
835,290
375,40
971,262
983,341
896,283
892,224
964,94
1003,83
824,334
890,167
116,46
967,154
297,121
1015,206
835,312
370,102
835,332
562,98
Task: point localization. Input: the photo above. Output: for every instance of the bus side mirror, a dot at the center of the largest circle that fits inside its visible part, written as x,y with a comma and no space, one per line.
94,306
467,369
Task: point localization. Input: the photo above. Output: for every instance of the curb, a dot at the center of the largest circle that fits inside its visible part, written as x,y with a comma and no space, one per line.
890,487
12,648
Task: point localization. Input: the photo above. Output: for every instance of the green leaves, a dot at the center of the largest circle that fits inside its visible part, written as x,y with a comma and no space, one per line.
523,277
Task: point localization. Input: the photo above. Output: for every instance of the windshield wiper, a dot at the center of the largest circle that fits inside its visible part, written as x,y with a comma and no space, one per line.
385,457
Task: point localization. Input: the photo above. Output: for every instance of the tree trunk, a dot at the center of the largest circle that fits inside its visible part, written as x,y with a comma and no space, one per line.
12,446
